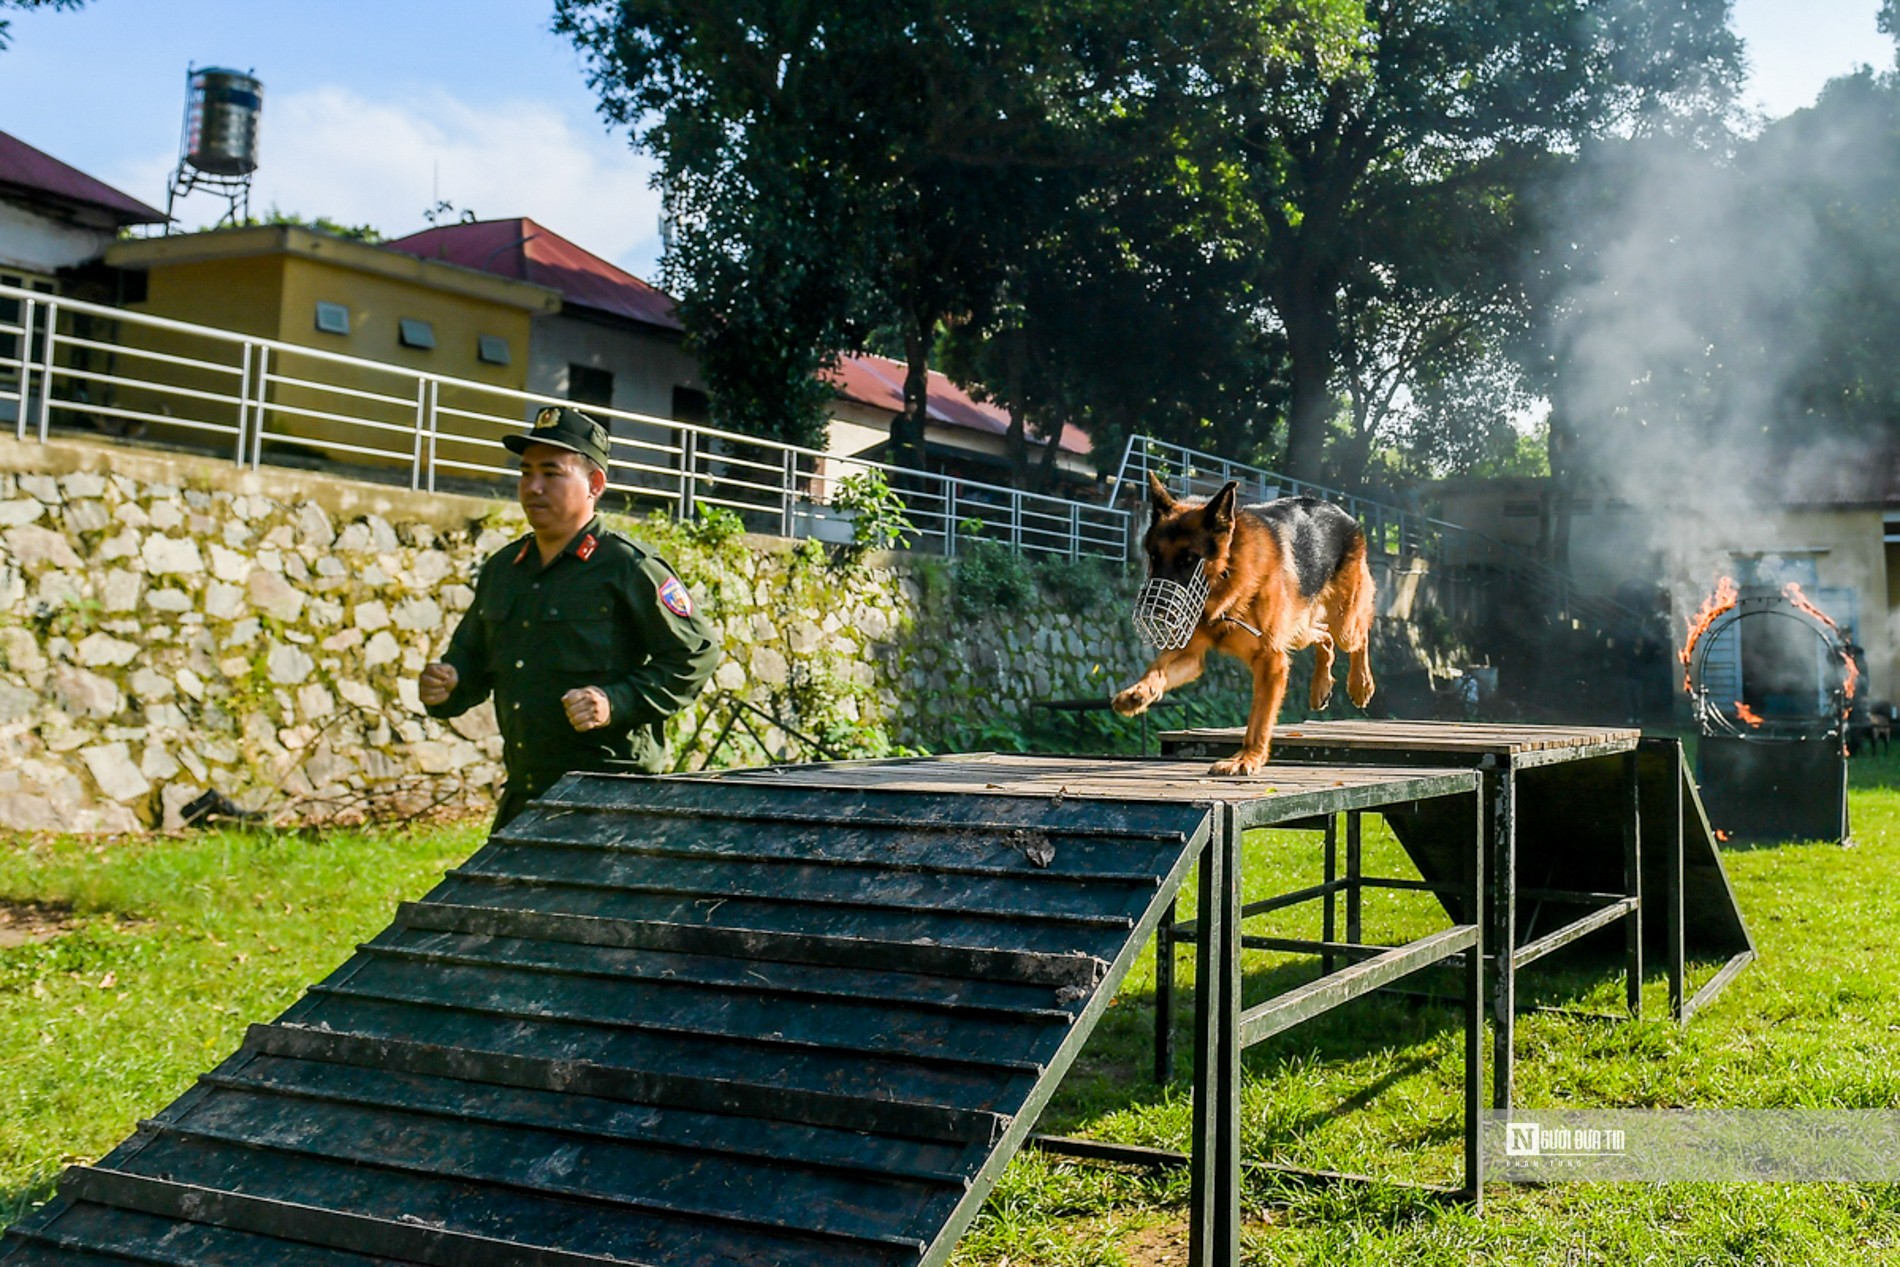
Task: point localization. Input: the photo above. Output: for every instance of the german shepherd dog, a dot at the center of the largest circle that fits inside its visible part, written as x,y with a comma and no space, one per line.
1282,575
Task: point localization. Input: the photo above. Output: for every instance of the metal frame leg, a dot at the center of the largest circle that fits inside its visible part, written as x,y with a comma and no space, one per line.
1164,997
1474,1018
1500,802
1633,883
1355,874
1215,1180
1328,923
1674,949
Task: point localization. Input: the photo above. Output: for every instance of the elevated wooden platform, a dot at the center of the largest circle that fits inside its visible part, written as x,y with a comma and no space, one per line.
1588,827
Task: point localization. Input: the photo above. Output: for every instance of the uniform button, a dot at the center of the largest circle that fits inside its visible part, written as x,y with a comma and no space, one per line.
517,708
520,663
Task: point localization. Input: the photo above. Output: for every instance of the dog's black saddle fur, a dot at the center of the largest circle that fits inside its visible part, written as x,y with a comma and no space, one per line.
1314,536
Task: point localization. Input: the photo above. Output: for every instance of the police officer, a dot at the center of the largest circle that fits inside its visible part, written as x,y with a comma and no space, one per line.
587,642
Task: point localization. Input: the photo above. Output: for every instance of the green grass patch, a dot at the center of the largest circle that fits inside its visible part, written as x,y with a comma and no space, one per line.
173,947
158,953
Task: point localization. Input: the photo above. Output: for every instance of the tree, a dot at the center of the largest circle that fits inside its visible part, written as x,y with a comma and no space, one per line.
894,161
31,4
1126,315
1436,103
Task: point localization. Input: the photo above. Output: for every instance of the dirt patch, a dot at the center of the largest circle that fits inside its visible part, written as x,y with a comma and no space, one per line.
24,922
1158,1244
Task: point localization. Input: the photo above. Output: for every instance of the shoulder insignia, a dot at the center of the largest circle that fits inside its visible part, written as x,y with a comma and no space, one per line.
585,550
623,541
674,597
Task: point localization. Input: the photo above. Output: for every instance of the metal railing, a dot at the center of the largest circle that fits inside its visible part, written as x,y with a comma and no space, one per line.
264,401
1391,530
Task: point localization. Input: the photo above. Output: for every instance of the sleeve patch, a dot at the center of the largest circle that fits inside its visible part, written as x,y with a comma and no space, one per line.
674,597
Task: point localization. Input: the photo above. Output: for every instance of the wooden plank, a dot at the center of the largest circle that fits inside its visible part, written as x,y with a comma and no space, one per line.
964,965
1423,736
134,1236
760,1103
1020,852
682,1130
839,923
719,972
789,1069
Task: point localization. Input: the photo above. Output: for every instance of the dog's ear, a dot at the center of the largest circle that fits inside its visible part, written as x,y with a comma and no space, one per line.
1160,500
1220,508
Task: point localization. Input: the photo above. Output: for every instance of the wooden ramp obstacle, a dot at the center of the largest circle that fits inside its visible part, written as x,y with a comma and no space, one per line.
710,1022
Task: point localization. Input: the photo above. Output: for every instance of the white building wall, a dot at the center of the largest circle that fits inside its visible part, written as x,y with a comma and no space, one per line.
646,366
35,242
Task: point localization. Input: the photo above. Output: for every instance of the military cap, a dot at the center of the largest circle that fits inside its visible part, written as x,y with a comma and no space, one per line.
564,428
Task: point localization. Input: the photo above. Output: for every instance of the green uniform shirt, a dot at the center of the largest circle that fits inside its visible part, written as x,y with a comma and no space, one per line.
602,613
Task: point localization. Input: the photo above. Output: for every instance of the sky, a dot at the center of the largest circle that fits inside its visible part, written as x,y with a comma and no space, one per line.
375,109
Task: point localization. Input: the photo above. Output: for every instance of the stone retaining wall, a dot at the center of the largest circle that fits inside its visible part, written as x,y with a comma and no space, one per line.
173,623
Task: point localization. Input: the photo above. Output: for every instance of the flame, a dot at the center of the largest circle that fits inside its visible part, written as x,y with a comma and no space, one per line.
1720,834
1792,592
1747,714
1724,598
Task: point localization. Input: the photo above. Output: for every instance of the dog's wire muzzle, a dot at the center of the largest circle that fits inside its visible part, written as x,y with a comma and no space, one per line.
1166,612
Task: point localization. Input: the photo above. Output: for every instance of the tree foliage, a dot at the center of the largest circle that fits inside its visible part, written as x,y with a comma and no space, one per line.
5,37
1283,229
1384,185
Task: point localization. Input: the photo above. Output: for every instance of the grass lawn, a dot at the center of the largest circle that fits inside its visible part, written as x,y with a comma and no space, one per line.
155,954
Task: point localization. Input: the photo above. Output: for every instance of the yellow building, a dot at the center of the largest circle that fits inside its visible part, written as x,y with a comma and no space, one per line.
338,298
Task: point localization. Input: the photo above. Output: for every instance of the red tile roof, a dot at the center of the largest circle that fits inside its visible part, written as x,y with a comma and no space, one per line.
878,381
34,172
522,249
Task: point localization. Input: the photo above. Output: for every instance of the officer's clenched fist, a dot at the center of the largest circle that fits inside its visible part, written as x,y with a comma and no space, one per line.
436,683
587,708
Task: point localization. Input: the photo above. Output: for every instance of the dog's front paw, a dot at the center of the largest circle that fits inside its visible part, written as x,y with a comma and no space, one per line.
1134,700
1241,763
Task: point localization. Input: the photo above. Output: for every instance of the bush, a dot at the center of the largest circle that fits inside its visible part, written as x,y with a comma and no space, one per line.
990,578
880,519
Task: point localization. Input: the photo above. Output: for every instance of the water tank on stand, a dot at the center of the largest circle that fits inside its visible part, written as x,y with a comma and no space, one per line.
221,122
218,151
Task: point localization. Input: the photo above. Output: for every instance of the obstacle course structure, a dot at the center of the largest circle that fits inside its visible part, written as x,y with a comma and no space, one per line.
1586,828
716,1021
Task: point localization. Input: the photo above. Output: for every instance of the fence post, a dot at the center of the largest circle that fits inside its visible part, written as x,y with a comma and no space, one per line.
1016,520
789,495
26,365
244,401
46,367
435,399
258,407
415,454
949,518
1075,532
689,459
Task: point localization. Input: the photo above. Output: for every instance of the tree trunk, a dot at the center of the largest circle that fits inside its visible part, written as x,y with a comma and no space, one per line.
1307,314
1563,487
907,429
1016,444
1310,408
